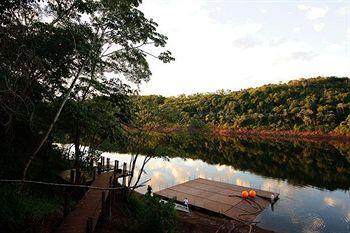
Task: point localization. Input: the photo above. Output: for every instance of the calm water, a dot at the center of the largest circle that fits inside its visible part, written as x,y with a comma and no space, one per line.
313,179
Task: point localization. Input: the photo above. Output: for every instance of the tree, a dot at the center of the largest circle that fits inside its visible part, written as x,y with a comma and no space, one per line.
72,49
318,104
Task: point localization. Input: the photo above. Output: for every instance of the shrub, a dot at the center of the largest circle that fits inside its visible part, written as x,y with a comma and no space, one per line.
153,215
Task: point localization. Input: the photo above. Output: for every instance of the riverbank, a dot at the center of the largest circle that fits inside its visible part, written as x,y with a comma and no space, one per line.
289,135
281,135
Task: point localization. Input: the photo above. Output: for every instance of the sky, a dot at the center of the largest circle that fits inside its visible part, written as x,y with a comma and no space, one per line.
236,44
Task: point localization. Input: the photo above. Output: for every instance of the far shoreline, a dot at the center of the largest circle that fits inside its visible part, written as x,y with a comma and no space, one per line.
263,134
281,135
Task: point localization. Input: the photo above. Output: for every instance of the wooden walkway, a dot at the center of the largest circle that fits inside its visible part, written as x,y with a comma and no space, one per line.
220,198
89,207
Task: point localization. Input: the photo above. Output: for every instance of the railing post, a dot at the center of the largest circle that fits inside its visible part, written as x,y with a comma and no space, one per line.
93,174
109,211
72,176
89,225
77,176
103,206
115,166
99,168
102,161
65,204
113,191
124,174
108,164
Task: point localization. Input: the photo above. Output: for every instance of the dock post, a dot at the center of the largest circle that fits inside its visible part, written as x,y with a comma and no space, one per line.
78,176
124,174
112,186
99,168
93,174
103,206
115,166
115,184
108,164
102,161
72,176
65,204
89,224
109,210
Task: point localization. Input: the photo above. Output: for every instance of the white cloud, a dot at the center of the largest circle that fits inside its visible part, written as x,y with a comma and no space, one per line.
246,42
333,47
296,29
329,201
313,12
344,11
212,54
242,183
318,27
301,55
303,7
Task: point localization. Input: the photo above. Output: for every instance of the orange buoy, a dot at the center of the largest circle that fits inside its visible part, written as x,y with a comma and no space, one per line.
245,194
252,193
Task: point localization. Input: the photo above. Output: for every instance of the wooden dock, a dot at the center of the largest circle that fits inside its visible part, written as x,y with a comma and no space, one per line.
96,203
219,198
88,207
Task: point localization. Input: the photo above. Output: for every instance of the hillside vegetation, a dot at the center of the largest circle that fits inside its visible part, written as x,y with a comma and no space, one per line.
318,104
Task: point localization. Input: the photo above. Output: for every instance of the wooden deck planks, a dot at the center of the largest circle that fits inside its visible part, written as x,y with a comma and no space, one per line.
219,197
89,206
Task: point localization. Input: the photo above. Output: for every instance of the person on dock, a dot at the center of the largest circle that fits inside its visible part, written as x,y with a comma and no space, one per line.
149,190
186,202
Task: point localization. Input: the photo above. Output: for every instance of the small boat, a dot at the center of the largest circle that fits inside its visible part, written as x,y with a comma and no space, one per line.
182,208
178,207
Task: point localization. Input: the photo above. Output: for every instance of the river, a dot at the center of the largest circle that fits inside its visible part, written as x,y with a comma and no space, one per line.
313,179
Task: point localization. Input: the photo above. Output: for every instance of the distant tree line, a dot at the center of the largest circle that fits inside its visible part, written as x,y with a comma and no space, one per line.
315,104
323,165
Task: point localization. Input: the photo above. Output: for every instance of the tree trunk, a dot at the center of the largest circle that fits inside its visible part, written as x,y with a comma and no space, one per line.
58,113
77,146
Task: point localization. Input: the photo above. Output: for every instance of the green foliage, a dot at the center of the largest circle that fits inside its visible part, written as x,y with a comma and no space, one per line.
21,208
49,51
344,127
153,215
316,104
44,46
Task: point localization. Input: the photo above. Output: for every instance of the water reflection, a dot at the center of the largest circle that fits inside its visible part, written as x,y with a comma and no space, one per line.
313,179
300,209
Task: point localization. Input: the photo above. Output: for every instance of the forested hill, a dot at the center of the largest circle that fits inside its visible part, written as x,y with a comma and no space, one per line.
317,104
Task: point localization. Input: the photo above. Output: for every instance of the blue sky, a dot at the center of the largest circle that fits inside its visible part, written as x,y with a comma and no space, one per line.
229,44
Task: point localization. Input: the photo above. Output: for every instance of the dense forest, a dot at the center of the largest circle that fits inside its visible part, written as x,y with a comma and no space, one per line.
316,104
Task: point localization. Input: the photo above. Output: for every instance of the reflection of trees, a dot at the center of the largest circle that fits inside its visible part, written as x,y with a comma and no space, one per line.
300,163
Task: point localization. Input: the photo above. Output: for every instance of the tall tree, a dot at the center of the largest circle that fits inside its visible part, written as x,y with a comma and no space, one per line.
72,49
